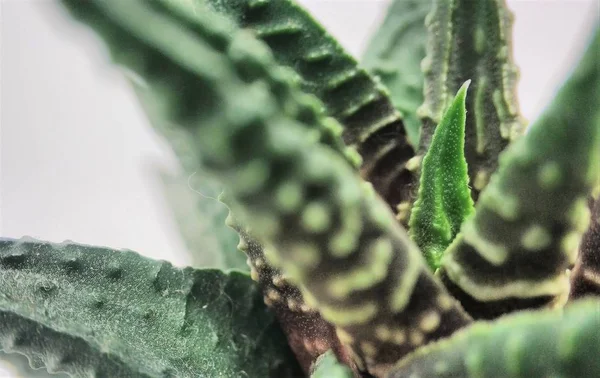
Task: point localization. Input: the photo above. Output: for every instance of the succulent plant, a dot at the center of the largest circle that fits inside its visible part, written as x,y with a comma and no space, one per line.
397,219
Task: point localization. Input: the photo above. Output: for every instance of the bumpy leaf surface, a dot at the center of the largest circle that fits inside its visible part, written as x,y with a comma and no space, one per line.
395,53
349,93
297,195
526,345
471,40
92,311
327,366
514,253
444,200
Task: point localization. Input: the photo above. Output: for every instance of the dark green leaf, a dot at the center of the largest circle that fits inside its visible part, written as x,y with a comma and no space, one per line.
471,40
515,252
93,311
527,345
444,199
395,53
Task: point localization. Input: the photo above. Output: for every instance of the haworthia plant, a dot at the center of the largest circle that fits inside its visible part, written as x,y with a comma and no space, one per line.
395,53
471,40
92,311
257,95
329,200
444,200
515,252
566,344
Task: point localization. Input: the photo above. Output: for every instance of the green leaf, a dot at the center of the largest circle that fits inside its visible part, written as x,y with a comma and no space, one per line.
351,95
471,40
444,199
327,366
100,312
515,252
532,344
297,195
394,54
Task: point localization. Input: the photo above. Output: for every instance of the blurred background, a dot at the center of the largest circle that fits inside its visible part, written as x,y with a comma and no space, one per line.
79,161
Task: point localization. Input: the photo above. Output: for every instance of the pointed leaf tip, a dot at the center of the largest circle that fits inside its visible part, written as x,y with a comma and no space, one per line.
444,198
462,92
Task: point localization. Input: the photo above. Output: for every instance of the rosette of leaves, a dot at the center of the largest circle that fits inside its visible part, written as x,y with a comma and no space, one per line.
383,245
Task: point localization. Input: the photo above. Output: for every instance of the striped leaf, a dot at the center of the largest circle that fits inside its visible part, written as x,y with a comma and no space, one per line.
351,95
526,345
444,199
297,195
514,253
471,40
92,311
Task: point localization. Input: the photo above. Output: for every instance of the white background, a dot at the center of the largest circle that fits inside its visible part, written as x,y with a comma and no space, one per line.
78,160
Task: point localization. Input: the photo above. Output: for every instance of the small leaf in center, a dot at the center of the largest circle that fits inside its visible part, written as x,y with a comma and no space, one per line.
444,199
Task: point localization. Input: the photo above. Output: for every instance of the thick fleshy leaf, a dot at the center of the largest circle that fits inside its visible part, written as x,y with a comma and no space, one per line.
327,366
297,195
532,344
349,93
444,199
92,311
394,54
471,40
515,252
